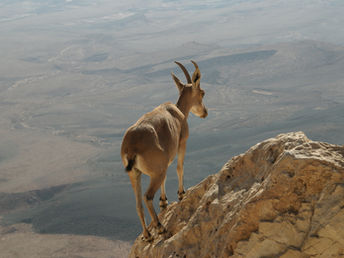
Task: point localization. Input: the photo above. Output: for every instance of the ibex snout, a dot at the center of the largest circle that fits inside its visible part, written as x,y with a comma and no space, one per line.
205,113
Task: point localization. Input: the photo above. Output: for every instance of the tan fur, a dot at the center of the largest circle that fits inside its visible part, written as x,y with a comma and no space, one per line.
150,145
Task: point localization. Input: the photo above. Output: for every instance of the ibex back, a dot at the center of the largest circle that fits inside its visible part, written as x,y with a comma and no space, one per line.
150,145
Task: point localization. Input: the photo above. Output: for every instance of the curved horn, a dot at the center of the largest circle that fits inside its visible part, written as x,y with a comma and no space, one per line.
197,74
194,63
187,75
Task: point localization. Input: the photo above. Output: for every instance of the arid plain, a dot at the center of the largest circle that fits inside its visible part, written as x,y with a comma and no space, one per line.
75,74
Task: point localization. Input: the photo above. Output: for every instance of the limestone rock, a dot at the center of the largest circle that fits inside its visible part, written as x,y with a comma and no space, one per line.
284,197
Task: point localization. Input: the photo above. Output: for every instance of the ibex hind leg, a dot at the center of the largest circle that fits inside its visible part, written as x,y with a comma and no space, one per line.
135,179
155,183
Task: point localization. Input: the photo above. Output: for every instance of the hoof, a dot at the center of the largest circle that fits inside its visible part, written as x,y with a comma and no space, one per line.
181,195
163,204
161,229
146,236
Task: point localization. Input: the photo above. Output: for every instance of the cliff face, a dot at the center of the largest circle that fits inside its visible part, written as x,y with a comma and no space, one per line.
284,197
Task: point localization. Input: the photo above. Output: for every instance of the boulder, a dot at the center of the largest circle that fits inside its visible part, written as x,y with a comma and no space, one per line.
284,197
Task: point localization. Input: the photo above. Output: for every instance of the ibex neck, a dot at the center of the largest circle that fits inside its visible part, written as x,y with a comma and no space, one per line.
183,105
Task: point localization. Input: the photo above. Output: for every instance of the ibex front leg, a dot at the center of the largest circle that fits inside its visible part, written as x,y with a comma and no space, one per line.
163,199
180,169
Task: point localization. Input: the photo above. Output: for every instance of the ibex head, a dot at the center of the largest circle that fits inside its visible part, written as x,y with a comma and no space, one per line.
192,90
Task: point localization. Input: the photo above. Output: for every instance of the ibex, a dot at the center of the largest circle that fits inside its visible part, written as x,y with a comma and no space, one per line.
150,145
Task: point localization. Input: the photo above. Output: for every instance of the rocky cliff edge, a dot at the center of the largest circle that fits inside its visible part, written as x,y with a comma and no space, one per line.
284,197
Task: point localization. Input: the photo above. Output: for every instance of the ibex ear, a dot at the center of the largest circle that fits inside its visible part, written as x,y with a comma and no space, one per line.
196,77
178,83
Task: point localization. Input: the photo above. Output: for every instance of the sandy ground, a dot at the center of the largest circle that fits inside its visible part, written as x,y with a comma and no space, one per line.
36,160
20,241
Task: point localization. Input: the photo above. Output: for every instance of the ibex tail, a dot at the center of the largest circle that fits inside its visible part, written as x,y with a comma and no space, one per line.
131,163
